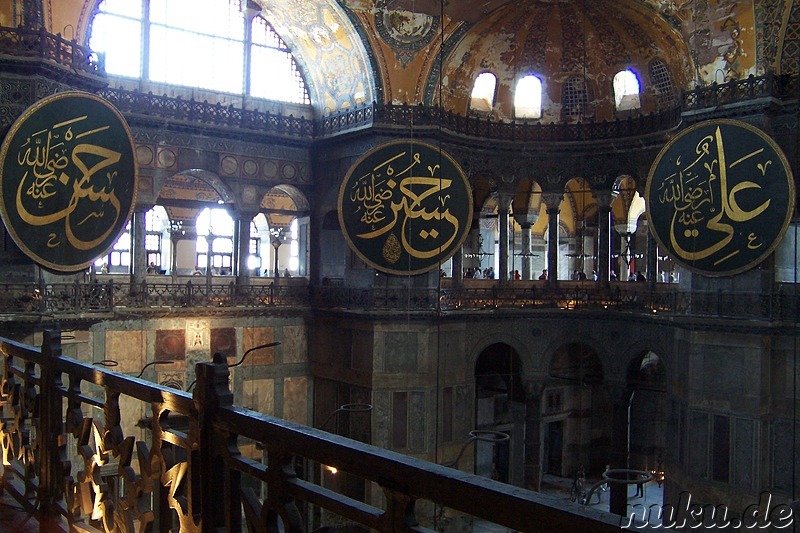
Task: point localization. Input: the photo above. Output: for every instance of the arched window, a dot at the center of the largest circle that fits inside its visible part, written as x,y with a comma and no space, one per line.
254,253
575,99
626,90
208,48
294,247
661,80
528,97
156,222
482,98
274,73
215,228
118,259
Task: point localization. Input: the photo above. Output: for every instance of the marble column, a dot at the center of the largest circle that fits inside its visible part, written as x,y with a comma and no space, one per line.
138,249
503,205
533,438
552,202
526,221
603,236
651,258
624,250
620,396
458,266
241,247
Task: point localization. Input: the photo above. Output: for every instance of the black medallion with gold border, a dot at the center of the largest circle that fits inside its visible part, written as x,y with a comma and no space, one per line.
719,197
405,207
67,180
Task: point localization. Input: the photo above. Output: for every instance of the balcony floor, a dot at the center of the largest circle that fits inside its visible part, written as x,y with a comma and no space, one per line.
14,519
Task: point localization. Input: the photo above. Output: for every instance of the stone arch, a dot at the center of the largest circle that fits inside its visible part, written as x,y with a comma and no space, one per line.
576,411
483,343
648,412
500,406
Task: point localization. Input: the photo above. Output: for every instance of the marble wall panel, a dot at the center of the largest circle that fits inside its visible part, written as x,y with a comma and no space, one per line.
126,348
295,344
259,395
295,399
257,336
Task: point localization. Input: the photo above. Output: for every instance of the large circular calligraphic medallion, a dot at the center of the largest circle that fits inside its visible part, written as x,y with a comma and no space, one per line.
719,197
405,207
67,179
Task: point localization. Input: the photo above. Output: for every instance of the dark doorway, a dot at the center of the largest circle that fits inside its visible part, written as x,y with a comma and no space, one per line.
553,447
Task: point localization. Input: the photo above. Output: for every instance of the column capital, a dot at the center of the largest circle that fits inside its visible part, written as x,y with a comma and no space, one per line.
552,200
504,200
243,214
526,219
142,208
604,198
624,229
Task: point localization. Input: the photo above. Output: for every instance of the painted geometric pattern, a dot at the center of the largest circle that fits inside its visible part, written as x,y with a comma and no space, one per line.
644,44
535,44
768,25
574,46
611,46
791,43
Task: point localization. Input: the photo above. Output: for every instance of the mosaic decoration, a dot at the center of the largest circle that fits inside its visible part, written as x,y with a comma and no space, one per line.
791,42
405,207
768,24
404,31
719,197
432,85
322,35
67,180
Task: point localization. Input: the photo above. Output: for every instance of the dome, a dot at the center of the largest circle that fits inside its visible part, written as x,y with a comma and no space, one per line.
565,43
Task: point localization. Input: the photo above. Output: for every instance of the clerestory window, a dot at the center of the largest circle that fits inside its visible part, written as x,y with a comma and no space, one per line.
208,44
663,87
215,229
528,97
482,98
626,90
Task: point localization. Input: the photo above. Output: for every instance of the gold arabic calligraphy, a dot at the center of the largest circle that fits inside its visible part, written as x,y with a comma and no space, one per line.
704,202
46,156
385,197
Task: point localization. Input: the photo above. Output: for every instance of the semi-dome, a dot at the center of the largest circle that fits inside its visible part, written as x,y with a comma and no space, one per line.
569,45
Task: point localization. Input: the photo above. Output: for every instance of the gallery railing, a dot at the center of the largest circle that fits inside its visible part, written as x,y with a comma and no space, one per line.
39,44
751,88
79,455
21,300
29,43
206,113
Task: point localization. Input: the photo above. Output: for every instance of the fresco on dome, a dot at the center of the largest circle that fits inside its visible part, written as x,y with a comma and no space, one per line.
328,50
721,35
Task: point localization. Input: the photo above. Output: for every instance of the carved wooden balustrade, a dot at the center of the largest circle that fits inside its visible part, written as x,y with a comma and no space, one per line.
72,461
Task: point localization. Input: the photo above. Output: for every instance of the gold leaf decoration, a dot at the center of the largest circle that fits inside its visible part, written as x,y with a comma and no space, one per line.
391,249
